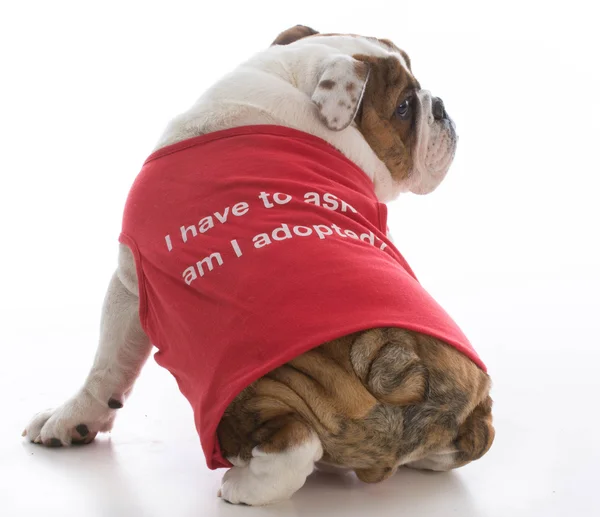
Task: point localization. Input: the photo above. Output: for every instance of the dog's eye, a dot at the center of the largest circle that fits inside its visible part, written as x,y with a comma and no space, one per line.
402,109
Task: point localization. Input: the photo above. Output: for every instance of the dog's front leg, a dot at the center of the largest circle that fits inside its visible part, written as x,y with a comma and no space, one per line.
123,349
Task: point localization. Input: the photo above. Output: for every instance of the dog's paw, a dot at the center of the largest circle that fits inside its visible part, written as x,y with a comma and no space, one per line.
242,486
77,421
270,477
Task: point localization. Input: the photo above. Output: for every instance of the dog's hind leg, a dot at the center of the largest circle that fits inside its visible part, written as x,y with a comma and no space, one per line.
278,467
123,350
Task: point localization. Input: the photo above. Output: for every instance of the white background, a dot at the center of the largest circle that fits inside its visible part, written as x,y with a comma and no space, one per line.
508,244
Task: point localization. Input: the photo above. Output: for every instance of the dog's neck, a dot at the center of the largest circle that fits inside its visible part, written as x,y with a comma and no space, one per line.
274,87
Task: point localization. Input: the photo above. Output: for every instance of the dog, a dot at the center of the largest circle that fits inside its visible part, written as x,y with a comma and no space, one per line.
313,135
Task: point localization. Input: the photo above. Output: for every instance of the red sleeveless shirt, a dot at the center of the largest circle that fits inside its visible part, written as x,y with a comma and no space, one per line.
254,245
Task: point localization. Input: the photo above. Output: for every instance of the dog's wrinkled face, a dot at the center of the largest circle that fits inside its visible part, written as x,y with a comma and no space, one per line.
374,91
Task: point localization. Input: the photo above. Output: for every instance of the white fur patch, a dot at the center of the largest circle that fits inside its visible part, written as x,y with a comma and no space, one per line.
60,424
441,461
270,478
436,145
122,351
278,84
340,90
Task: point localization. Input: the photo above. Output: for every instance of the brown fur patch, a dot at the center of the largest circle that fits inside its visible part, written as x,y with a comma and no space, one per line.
476,434
391,369
406,58
392,139
388,43
361,70
392,46
293,34
327,84
373,398
281,433
375,474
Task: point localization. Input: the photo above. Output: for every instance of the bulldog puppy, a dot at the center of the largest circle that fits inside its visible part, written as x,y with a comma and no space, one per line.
369,399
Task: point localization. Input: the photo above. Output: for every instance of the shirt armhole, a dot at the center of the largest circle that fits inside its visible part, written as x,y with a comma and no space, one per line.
143,305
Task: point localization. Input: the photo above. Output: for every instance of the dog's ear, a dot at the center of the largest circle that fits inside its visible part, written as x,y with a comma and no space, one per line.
340,90
294,34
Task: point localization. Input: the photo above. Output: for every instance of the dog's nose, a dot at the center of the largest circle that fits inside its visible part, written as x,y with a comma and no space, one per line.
439,113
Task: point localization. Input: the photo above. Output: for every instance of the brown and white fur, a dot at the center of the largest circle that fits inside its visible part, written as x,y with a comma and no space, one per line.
368,402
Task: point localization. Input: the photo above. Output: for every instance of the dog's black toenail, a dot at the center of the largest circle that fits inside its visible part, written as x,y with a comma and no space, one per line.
240,503
114,404
82,429
54,442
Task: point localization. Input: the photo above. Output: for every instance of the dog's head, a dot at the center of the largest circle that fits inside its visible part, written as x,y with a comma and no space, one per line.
367,84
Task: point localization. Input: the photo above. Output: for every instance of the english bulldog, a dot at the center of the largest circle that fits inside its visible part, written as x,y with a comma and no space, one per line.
255,256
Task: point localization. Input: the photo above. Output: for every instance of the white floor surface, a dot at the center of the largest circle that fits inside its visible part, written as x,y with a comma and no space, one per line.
508,245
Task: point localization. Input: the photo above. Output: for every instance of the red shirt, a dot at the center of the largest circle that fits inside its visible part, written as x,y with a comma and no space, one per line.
254,245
